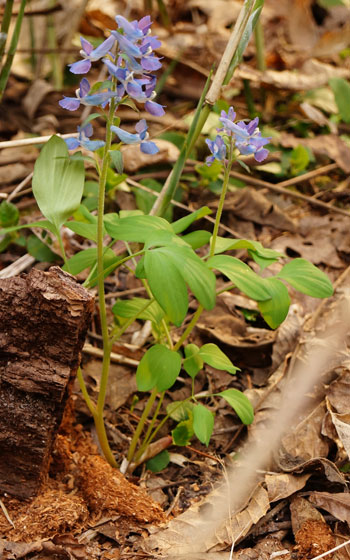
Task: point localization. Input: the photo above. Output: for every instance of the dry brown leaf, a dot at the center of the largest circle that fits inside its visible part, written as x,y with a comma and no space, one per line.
301,511
341,423
338,393
312,74
121,382
320,464
327,144
316,247
178,535
280,486
337,504
252,205
305,441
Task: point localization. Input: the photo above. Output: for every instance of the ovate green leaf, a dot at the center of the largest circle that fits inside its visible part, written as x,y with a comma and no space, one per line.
306,278
203,423
240,404
275,310
193,362
58,182
213,356
159,462
241,275
159,368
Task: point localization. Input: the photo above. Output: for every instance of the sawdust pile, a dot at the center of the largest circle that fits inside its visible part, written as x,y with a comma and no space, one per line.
81,489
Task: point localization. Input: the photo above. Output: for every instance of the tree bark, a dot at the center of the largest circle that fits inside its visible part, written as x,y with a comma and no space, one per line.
44,317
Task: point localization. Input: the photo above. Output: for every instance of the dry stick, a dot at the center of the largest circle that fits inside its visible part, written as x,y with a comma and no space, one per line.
17,267
118,358
19,187
33,141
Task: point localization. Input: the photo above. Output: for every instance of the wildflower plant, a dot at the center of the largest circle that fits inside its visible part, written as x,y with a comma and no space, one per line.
165,259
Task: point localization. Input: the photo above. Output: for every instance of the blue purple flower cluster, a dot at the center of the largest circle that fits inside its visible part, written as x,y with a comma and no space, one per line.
247,138
131,69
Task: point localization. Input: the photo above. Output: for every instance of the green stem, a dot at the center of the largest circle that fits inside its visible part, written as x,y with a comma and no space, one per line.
260,46
5,24
126,325
85,393
60,242
222,199
6,69
107,347
141,424
189,328
150,428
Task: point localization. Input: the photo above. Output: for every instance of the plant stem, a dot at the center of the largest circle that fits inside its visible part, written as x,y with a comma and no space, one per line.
86,395
64,256
189,328
107,347
222,199
260,46
150,428
135,437
5,24
6,69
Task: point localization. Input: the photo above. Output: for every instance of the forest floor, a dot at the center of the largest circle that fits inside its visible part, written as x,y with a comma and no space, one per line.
298,203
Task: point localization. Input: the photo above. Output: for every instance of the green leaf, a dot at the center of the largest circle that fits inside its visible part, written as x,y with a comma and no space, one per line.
180,410
182,224
299,159
117,160
241,275
159,462
159,367
213,356
9,215
195,272
224,244
341,90
240,404
183,432
45,224
203,423
167,285
168,271
90,118
210,172
136,228
197,238
89,231
87,259
39,250
306,278
275,310
58,182
136,307
82,260
193,362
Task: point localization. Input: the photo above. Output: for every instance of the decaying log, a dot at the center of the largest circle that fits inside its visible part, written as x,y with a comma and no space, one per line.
44,317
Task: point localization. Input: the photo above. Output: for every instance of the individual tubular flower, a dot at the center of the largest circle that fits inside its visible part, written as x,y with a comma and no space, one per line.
83,97
83,139
217,148
140,137
90,54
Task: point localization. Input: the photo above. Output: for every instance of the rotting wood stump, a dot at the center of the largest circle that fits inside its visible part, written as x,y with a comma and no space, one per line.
44,317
